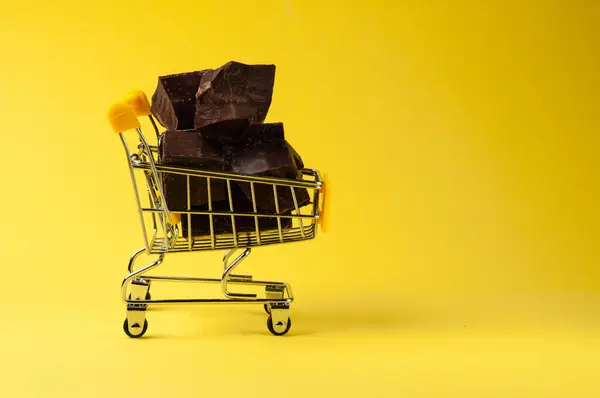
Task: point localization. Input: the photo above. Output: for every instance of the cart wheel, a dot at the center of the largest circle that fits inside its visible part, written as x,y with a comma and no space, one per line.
278,333
267,308
141,330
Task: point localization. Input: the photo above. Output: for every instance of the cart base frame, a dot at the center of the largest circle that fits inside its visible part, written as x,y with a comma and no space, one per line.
135,291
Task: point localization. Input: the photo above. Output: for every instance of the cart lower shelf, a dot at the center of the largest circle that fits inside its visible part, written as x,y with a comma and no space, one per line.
135,290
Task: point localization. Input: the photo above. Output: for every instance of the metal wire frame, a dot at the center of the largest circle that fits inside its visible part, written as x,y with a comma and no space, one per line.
165,235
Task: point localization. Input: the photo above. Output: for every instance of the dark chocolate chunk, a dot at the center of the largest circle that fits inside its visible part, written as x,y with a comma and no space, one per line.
247,224
234,91
174,101
241,132
222,224
265,132
265,199
201,222
297,158
189,148
227,132
272,158
275,159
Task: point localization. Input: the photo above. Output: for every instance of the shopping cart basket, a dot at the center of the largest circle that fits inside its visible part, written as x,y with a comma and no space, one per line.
163,229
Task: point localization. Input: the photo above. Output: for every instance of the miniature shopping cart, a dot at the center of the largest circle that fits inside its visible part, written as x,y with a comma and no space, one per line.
162,228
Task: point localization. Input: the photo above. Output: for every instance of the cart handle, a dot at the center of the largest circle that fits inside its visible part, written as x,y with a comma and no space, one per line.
325,204
122,118
138,102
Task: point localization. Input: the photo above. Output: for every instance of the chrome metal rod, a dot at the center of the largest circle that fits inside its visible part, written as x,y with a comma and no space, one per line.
189,216
211,300
240,276
235,240
228,268
135,189
141,271
254,209
277,211
195,172
154,126
288,290
134,256
151,188
154,228
232,280
210,217
142,150
229,213
153,168
297,210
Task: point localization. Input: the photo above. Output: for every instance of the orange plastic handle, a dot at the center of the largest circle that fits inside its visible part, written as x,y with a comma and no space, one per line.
325,204
121,117
138,101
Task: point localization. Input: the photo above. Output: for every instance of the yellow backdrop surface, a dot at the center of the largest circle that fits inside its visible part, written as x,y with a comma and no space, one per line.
461,140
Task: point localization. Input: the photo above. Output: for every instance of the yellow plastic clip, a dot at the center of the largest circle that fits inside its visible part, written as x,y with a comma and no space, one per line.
175,218
138,101
121,117
325,203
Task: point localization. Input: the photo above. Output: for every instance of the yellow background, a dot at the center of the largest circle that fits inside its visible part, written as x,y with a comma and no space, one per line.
461,139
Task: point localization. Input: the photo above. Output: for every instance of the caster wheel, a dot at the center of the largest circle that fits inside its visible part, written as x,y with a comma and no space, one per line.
267,308
280,332
140,330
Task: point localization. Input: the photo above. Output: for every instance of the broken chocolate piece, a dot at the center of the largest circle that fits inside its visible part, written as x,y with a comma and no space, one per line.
227,132
222,224
174,101
234,91
275,159
265,132
201,222
191,149
241,132
297,158
272,158
265,198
